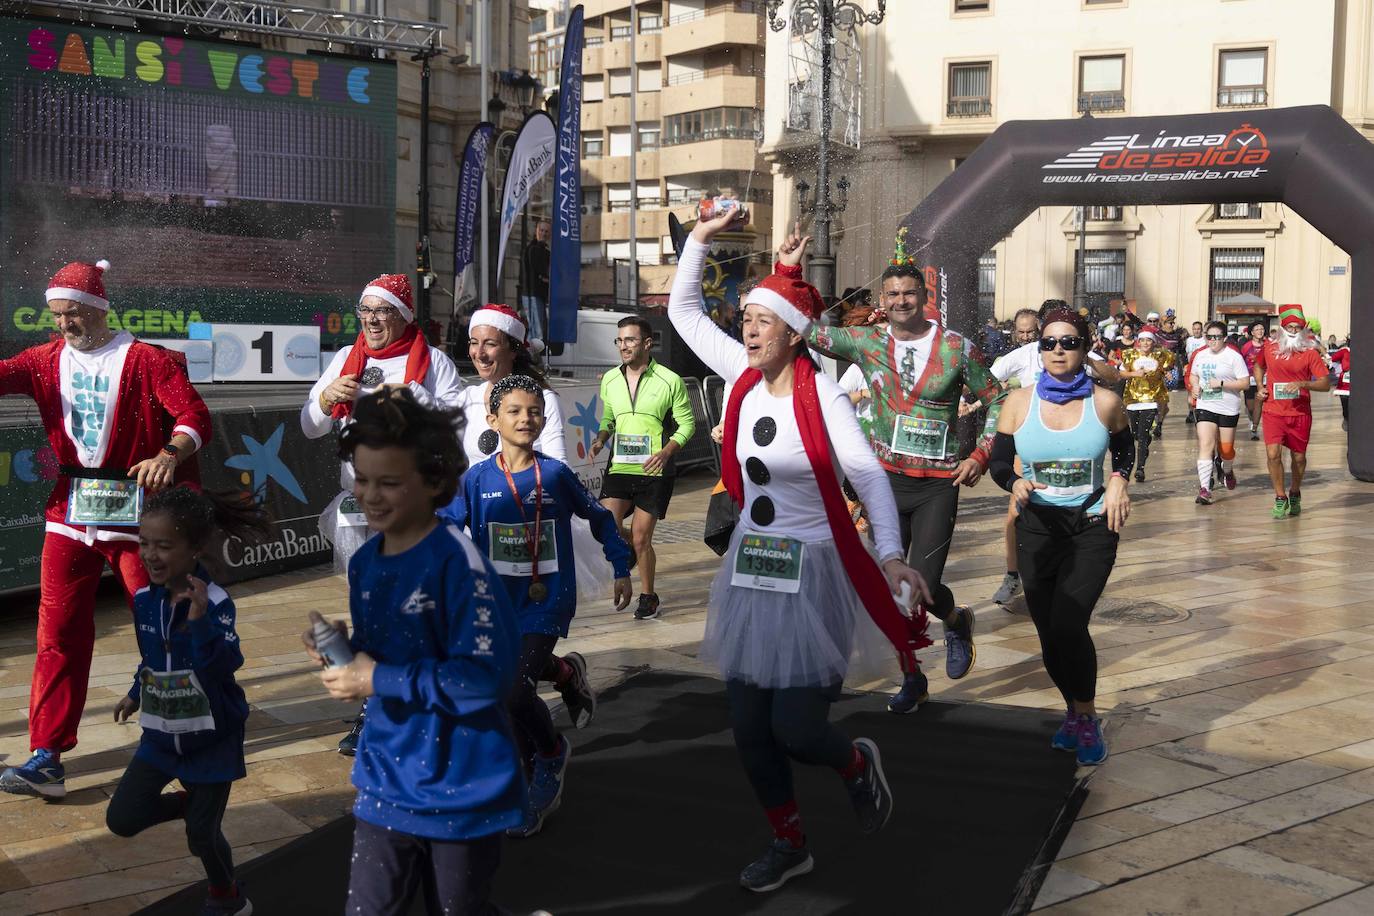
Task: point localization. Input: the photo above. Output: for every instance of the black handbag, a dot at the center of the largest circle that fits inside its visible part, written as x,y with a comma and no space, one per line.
722,514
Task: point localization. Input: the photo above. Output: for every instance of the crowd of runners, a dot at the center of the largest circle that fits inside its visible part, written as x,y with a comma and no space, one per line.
467,541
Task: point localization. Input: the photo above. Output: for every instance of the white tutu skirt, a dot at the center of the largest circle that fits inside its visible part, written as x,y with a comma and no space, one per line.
345,538
818,636
595,576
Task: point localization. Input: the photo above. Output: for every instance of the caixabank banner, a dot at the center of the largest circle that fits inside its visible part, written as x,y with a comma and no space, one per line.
264,452
224,183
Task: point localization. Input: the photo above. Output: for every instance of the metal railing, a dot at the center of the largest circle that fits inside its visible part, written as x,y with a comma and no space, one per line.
696,76
1238,211
1242,96
739,6
969,108
1102,101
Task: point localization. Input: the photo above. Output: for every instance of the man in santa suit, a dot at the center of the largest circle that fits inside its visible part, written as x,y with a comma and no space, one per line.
114,408
1287,371
390,350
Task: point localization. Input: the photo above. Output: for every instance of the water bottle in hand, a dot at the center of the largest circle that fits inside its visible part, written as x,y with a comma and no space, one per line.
331,644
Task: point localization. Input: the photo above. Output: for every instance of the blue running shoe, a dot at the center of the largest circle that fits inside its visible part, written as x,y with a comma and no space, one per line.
546,790
42,776
1066,739
959,649
1092,748
915,691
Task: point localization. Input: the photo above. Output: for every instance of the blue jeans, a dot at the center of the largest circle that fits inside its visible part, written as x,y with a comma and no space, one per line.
536,313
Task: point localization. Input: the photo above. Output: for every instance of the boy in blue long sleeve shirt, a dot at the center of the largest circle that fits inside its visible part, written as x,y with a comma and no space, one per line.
435,646
505,501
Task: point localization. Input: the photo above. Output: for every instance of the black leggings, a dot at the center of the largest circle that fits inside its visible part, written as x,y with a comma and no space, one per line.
926,510
1142,422
140,803
1065,563
773,727
1345,407
533,723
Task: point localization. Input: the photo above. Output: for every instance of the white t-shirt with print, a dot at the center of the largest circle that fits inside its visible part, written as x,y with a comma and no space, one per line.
1226,365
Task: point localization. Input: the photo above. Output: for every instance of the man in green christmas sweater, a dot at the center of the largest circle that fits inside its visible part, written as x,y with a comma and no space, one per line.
917,372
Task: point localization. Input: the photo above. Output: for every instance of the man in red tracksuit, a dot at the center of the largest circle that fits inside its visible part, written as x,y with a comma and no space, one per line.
113,407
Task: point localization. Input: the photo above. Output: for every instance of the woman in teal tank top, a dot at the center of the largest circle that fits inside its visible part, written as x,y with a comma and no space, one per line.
1069,516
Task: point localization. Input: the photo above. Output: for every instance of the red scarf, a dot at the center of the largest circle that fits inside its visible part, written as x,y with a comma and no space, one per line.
906,634
417,363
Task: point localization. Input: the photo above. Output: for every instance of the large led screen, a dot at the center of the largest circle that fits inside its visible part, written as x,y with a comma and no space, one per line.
225,183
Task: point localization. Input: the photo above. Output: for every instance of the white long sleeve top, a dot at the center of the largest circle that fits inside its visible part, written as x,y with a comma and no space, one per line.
789,504
442,385
551,440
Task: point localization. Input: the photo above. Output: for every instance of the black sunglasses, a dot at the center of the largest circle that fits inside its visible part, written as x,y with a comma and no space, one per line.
1068,342
1216,336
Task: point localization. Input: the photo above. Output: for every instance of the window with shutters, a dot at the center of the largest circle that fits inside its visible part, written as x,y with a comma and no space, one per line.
1104,273
970,90
1235,271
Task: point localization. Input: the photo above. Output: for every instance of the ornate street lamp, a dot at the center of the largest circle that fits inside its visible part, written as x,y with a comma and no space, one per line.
824,16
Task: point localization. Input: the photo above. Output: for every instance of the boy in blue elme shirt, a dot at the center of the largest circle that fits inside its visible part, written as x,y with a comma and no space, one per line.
504,501
191,708
436,770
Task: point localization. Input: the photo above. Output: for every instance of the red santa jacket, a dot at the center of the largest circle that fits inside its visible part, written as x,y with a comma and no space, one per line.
155,399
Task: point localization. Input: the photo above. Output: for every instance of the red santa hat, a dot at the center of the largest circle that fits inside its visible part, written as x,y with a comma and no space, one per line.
394,290
1149,331
81,282
792,299
503,318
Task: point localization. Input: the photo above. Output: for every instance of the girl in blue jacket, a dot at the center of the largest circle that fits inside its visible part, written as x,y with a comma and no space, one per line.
435,646
191,709
505,500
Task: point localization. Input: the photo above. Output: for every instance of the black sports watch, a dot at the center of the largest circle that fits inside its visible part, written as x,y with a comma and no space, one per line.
170,449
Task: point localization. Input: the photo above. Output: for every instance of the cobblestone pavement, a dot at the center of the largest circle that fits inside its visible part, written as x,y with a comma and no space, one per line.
1236,670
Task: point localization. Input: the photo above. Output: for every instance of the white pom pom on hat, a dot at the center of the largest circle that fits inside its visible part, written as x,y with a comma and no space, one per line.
103,264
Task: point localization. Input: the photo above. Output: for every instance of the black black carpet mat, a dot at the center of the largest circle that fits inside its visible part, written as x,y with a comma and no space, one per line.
657,818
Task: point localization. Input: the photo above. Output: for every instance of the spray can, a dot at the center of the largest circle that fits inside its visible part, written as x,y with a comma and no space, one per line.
904,597
331,644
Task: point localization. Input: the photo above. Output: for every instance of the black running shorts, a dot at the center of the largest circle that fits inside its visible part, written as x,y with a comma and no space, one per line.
648,492
1225,421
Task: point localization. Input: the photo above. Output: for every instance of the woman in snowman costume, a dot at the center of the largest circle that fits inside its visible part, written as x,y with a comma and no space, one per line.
792,601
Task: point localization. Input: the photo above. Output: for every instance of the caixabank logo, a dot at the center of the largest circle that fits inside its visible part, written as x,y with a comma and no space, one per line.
1241,153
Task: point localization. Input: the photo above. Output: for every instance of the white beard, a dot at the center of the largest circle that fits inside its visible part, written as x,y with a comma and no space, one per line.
1290,344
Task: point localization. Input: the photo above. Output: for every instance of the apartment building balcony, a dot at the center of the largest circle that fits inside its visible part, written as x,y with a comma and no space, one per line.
710,154
715,87
594,59
738,23
606,170
615,111
648,106
593,116
615,53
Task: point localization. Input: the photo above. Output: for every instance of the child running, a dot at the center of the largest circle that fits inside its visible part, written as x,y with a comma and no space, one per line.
191,708
435,652
505,501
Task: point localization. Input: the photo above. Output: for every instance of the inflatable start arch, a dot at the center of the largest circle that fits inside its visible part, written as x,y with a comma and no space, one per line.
1308,158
